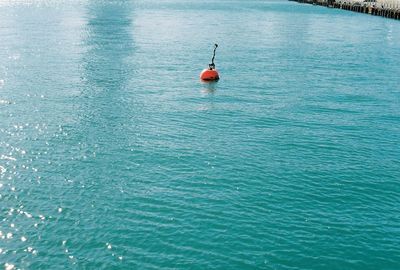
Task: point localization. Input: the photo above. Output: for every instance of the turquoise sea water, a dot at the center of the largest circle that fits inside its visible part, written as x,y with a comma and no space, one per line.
113,155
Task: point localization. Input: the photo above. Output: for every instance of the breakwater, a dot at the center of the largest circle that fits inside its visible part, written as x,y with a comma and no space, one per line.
388,10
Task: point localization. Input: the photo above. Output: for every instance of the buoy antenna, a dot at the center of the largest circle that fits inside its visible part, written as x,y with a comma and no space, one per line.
212,65
210,73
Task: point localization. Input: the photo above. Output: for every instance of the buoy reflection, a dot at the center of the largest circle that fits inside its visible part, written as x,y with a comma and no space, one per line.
209,87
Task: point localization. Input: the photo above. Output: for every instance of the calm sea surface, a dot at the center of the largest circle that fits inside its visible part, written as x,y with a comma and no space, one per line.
113,155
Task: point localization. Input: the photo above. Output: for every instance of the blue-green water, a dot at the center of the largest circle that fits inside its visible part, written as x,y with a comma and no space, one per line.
113,155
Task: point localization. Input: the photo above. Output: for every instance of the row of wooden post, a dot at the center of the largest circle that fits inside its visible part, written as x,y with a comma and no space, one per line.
372,8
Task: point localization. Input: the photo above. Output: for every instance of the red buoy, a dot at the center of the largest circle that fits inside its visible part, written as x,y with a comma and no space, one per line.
210,73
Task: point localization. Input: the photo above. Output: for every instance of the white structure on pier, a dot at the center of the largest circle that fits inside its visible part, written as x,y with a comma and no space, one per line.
379,3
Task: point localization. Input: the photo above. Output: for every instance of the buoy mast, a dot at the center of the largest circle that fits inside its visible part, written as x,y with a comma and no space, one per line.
212,65
210,74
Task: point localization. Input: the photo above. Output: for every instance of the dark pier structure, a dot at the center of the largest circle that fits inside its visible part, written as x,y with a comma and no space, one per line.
368,7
